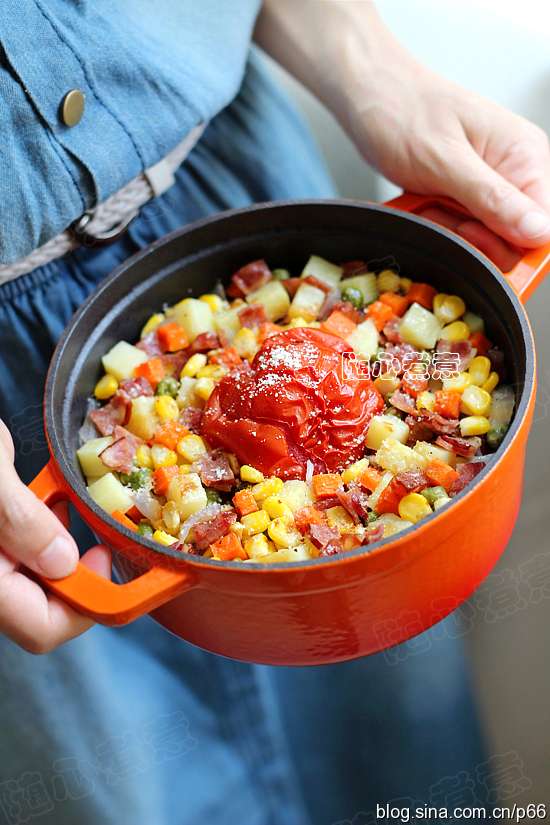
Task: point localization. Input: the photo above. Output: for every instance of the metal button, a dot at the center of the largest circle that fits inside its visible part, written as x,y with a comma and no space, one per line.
72,107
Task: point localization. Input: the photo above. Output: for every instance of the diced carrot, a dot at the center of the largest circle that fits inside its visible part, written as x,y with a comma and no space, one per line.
380,314
245,502
228,357
170,433
447,403
172,337
308,515
369,478
162,477
122,519
135,514
391,495
326,484
413,384
228,548
268,329
339,325
398,303
152,370
440,474
422,294
480,342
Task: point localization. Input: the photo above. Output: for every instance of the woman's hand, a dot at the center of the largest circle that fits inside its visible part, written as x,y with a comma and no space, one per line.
422,132
34,538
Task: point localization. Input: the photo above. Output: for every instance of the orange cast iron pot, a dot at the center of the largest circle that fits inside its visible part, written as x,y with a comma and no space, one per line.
327,609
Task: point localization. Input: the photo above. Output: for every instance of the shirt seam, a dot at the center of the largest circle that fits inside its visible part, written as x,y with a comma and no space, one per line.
68,169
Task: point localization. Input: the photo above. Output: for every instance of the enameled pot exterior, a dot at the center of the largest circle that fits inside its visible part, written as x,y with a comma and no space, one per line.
325,610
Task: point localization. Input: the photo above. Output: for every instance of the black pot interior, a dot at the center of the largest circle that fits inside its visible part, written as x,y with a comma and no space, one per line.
192,260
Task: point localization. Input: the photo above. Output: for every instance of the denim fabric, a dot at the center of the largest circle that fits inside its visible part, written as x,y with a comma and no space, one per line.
150,70
132,726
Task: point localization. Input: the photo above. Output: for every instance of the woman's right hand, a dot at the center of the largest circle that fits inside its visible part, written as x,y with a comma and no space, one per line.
34,538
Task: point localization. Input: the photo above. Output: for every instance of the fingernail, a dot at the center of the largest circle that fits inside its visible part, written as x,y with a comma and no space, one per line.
533,225
59,559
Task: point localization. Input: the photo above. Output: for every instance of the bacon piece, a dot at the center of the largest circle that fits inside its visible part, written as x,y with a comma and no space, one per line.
250,278
391,330
466,447
496,357
399,357
116,413
207,532
402,401
354,268
134,387
348,500
203,342
347,309
291,285
253,316
121,453
191,418
461,348
438,424
173,363
313,281
150,344
327,503
326,539
466,473
215,470
374,534
419,431
413,480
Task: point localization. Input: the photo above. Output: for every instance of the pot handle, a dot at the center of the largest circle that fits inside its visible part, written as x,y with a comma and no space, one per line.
523,278
103,600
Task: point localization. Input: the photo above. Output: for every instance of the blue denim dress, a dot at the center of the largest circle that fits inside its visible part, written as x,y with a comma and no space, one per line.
132,726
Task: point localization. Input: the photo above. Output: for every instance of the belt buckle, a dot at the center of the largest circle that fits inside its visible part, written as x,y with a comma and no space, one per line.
97,240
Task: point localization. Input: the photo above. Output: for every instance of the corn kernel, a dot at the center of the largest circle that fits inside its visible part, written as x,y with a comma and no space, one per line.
171,517
214,302
425,401
455,331
355,470
474,425
191,447
185,469
480,369
205,387
458,384
258,545
255,523
166,407
340,518
215,371
238,529
413,507
164,538
143,457
388,281
475,401
152,324
246,342
106,387
284,533
298,322
251,475
276,508
162,456
386,383
448,308
268,487
405,284
195,363
491,382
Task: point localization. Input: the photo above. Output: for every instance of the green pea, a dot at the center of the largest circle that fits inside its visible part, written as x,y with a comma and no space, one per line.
145,529
495,436
280,274
371,518
138,477
212,496
354,296
432,494
168,386
124,478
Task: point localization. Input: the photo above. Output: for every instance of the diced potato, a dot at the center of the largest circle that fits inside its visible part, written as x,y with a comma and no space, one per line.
364,339
396,457
296,494
188,494
323,270
306,303
420,327
274,298
372,500
475,322
366,284
246,343
392,524
88,455
194,316
122,359
110,494
431,451
384,426
228,321
187,394
143,419
340,518
299,553
258,545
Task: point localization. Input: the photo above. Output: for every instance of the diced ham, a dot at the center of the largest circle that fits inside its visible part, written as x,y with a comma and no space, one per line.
326,539
150,344
352,268
413,480
291,285
466,472
191,418
173,363
466,447
347,309
496,357
215,471
253,316
250,278
462,350
116,413
121,453
206,532
134,387
203,342
391,330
